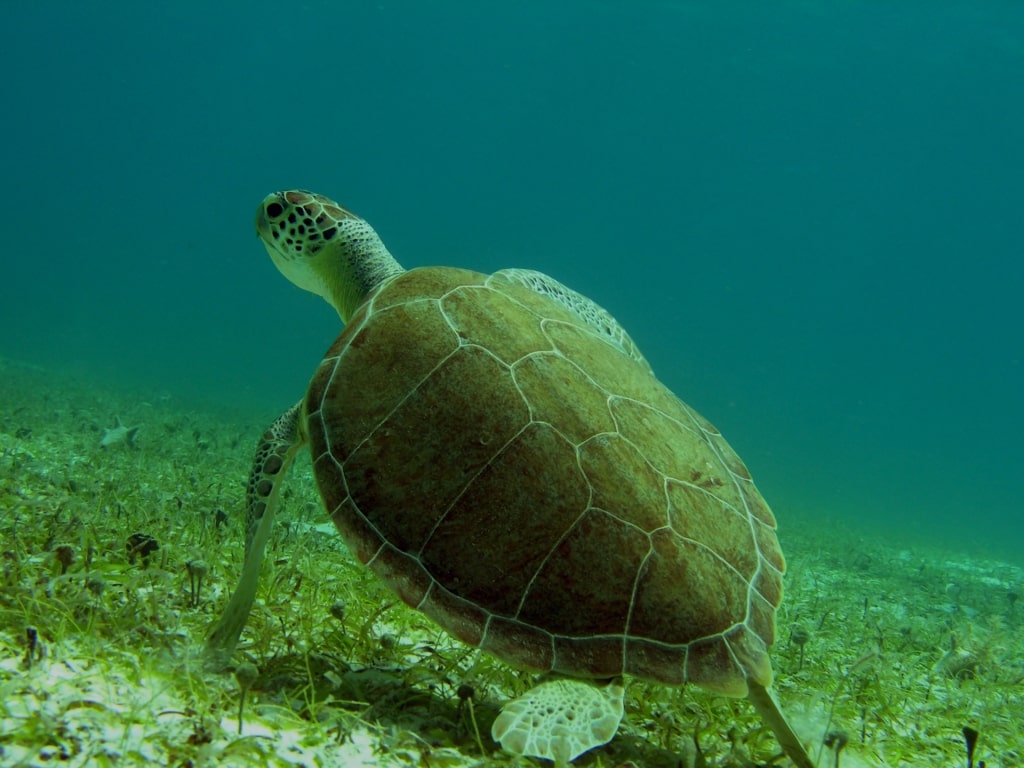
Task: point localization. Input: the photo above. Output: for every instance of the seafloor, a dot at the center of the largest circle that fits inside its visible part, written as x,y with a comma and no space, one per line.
888,649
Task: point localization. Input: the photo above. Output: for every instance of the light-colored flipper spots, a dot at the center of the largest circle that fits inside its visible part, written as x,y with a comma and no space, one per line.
560,720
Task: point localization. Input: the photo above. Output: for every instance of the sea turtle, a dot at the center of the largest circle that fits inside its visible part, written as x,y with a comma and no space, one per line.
498,451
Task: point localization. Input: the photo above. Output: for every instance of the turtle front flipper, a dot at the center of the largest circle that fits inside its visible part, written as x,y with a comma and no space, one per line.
274,455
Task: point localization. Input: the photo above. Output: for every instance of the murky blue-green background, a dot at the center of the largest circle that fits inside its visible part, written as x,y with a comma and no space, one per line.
809,215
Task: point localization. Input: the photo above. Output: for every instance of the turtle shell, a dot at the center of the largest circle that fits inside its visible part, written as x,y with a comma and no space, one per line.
532,487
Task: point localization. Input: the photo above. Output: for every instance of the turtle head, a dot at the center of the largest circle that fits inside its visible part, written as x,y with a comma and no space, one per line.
323,248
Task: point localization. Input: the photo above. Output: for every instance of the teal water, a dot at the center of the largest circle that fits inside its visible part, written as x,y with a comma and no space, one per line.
808,215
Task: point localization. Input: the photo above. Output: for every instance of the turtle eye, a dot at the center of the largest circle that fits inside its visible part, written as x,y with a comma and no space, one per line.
274,210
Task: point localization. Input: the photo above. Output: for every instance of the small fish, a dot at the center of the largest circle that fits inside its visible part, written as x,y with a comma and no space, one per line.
119,435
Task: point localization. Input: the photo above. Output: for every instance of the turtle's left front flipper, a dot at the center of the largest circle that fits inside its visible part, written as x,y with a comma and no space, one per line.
274,455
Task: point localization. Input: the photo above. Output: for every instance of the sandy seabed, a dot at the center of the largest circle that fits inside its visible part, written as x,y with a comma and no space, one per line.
115,560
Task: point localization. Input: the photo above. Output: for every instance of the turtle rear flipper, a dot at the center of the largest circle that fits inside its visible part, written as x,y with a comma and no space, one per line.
560,720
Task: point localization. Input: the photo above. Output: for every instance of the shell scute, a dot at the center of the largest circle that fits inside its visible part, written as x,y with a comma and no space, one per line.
767,541
430,283
428,340
761,617
684,593
520,644
404,474
623,483
713,665
402,572
655,661
544,378
495,536
363,541
590,656
595,565
748,649
460,617
701,517
485,315
693,460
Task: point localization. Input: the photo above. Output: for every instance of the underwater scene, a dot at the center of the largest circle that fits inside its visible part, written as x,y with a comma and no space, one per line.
489,534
